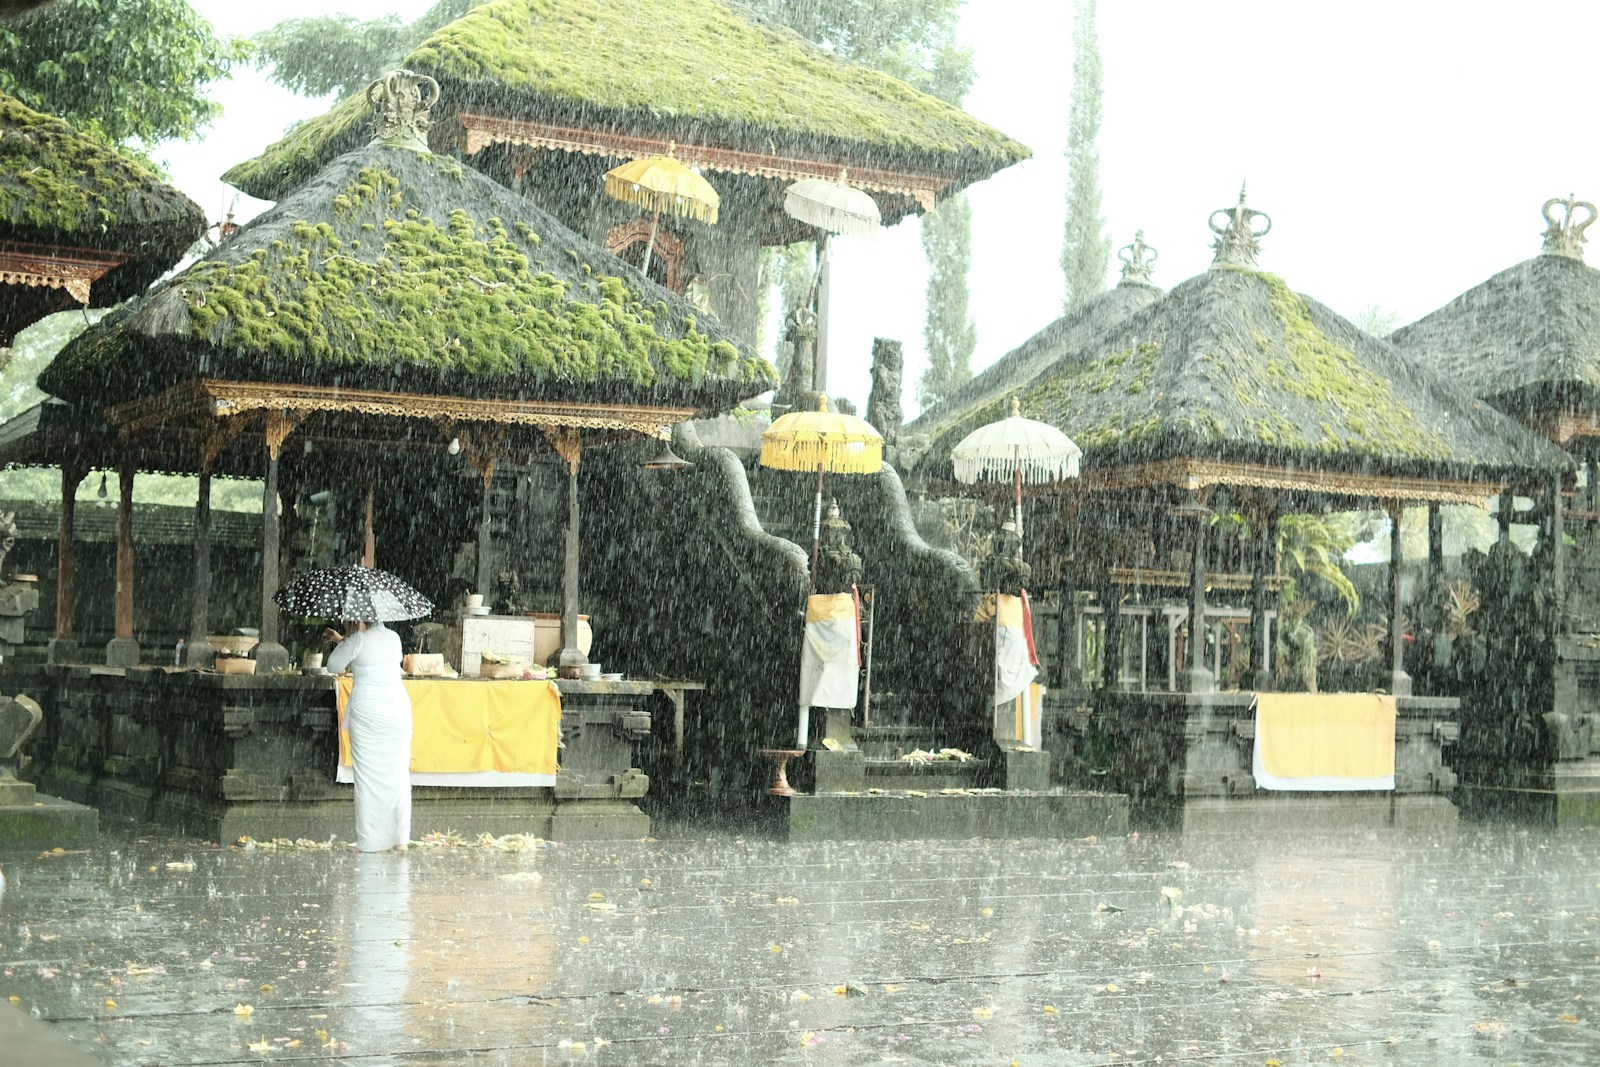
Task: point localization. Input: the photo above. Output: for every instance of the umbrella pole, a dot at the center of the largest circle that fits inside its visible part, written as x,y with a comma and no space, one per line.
803,727
649,246
820,374
1016,481
816,530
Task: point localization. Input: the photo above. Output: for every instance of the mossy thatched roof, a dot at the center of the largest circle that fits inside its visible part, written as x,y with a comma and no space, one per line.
690,69
1233,366
405,272
1084,324
1526,339
60,187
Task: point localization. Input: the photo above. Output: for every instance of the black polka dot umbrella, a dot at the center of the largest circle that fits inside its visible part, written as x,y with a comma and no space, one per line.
352,592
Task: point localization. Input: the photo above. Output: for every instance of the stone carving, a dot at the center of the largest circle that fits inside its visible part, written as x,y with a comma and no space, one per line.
883,403
1004,570
797,393
1136,268
1565,238
8,536
402,100
838,566
1238,242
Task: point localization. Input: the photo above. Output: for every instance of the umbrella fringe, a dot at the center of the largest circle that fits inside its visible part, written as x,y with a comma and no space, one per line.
850,455
1035,471
666,203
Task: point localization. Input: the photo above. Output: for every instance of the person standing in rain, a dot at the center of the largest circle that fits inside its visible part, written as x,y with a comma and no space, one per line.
378,717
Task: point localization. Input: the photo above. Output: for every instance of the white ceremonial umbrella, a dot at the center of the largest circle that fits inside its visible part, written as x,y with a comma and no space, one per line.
832,207
1016,448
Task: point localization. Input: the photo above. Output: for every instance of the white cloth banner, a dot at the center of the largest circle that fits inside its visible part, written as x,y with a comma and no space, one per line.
1013,666
830,662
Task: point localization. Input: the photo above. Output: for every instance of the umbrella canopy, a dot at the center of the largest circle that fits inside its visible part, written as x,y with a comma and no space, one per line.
662,184
833,206
823,440
1032,451
352,592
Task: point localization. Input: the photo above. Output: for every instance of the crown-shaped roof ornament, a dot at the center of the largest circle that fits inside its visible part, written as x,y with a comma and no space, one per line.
1237,242
1565,238
1138,261
402,99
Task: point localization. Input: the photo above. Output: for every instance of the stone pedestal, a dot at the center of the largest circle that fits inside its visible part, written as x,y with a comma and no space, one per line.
61,650
842,769
1027,770
122,652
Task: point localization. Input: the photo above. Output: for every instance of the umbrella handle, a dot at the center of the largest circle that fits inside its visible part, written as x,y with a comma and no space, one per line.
649,246
816,530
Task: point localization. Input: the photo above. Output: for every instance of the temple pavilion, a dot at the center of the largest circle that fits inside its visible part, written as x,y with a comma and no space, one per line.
1527,342
1204,418
81,224
545,97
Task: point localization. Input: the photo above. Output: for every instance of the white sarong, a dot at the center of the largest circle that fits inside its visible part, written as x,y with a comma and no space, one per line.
830,662
379,720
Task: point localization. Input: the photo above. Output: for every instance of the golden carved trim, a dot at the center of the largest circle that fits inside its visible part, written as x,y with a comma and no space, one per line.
280,424
1198,474
481,131
568,444
225,399
50,267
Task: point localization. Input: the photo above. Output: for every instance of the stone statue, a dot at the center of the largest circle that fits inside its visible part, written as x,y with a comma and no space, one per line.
883,403
1004,570
838,566
508,593
8,536
798,391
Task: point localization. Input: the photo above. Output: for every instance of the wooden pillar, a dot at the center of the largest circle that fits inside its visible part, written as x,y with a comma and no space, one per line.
570,659
122,650
485,577
1503,510
63,649
1399,680
1262,568
1198,678
369,539
197,651
269,652
1558,556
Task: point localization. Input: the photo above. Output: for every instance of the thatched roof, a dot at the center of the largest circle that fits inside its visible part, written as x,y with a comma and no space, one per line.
401,271
1232,366
1084,324
692,70
1526,339
62,189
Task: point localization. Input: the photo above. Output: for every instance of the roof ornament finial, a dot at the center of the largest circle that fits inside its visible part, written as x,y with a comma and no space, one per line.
1016,407
402,99
1136,268
1236,244
1565,238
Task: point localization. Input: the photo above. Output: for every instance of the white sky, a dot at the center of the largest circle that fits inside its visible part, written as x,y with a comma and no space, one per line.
1402,148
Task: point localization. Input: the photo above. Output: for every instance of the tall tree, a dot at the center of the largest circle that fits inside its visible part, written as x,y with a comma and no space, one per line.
342,54
948,331
127,70
1085,248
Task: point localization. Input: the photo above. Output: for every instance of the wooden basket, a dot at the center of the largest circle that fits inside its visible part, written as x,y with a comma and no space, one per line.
425,664
235,665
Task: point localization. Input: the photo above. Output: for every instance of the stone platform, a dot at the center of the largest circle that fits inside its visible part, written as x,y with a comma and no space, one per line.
996,815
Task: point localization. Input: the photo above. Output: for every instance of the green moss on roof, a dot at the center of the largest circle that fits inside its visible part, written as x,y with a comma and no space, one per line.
685,67
390,271
54,179
1234,365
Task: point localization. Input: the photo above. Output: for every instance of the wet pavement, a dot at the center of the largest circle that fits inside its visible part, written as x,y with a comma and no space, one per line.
1475,944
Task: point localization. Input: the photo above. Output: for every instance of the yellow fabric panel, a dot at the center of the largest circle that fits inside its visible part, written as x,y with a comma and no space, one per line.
830,607
459,726
1326,735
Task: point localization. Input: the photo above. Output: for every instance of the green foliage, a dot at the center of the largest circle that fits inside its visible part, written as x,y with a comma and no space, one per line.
949,332
1315,545
1085,246
126,70
342,54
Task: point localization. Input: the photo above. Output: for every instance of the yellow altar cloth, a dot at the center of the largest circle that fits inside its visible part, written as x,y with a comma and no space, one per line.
478,733
1324,741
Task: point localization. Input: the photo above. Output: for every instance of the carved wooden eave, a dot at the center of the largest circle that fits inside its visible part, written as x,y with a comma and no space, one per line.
208,398
54,267
480,131
1200,474
1140,576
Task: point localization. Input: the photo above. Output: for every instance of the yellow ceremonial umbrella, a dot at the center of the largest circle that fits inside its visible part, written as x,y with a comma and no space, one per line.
661,183
823,441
